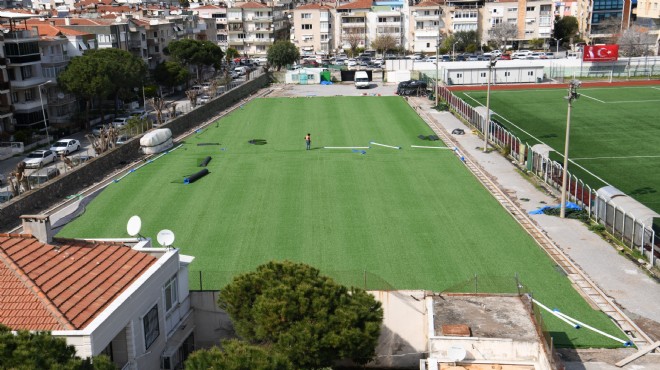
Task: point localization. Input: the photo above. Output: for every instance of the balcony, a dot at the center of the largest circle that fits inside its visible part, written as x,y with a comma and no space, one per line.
4,86
30,82
63,100
431,17
236,42
27,106
262,41
135,44
234,20
236,30
353,25
426,32
55,59
21,35
21,59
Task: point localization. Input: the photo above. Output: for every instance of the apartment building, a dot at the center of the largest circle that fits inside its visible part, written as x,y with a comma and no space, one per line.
427,23
351,21
648,16
533,19
388,18
6,115
253,27
218,14
312,32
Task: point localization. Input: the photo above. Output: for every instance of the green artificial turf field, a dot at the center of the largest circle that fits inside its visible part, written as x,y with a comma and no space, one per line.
615,132
411,218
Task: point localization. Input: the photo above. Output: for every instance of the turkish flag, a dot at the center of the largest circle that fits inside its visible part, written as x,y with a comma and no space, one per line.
600,53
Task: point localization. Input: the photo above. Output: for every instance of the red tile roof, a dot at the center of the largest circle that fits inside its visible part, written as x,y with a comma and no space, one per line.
251,5
313,6
359,4
429,3
64,287
46,29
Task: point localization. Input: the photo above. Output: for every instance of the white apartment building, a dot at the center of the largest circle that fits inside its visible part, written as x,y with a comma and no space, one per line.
427,22
219,15
312,32
351,21
533,19
253,27
388,19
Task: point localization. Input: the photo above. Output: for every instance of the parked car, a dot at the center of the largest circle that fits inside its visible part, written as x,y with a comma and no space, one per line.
5,196
204,99
79,159
39,158
43,175
411,88
122,139
521,54
120,122
241,71
352,63
65,146
138,113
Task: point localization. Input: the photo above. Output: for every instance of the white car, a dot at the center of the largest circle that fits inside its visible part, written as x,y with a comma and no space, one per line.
39,158
120,122
204,99
65,146
351,63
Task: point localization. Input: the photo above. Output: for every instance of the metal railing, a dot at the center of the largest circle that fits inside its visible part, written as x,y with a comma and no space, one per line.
619,222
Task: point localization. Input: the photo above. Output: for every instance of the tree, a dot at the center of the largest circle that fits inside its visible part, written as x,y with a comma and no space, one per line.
237,355
101,73
501,33
636,42
353,39
566,28
196,53
303,315
536,43
384,43
40,350
282,53
231,54
170,74
465,39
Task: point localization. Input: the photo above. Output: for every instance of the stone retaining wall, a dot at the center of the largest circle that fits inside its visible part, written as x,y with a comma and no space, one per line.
98,168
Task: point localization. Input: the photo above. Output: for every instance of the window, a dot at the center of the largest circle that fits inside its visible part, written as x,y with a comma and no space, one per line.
306,16
26,72
14,97
483,74
507,74
530,73
324,37
156,34
241,36
530,8
150,325
512,9
459,75
259,35
28,95
170,294
306,27
428,44
427,12
419,25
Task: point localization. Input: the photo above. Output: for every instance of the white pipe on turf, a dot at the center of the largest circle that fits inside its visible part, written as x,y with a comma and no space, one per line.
576,326
624,342
346,147
387,146
430,147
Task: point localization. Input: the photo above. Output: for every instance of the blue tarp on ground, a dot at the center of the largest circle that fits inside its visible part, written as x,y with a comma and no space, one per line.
326,83
541,210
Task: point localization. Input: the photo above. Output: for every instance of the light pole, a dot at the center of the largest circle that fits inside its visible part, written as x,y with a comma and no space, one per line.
43,110
557,43
453,51
491,65
437,69
572,95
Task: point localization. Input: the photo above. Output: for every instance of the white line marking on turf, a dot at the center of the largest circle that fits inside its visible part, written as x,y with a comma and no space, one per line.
628,157
542,142
387,146
592,98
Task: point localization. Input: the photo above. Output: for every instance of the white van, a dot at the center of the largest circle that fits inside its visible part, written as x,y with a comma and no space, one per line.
361,79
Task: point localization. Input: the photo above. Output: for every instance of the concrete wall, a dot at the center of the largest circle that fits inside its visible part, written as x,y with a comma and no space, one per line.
489,350
55,191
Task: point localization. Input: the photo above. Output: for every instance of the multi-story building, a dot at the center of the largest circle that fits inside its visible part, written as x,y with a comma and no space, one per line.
312,30
219,16
388,18
253,27
427,25
601,19
648,16
6,115
351,21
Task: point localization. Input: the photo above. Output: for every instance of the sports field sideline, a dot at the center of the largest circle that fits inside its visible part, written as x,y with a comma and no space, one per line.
414,218
615,132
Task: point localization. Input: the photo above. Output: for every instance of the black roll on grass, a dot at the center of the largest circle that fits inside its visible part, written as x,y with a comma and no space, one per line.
194,177
205,162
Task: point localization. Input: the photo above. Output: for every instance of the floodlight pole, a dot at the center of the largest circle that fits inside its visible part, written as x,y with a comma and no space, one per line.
491,65
572,95
43,110
437,69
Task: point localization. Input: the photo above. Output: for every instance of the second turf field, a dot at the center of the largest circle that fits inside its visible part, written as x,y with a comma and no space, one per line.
614,138
414,218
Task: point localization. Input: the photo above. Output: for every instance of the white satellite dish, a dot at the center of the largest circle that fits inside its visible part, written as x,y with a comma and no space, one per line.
456,353
134,225
165,237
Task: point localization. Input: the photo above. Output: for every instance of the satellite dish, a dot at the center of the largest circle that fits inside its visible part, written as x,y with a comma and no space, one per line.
165,237
456,353
60,95
134,225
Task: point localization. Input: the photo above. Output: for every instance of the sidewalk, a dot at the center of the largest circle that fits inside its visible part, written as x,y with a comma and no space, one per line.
636,293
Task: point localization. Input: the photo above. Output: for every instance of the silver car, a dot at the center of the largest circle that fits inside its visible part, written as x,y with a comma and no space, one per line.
39,158
65,146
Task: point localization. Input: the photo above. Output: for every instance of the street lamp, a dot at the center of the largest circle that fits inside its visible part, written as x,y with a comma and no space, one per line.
557,43
572,95
453,50
491,65
43,110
